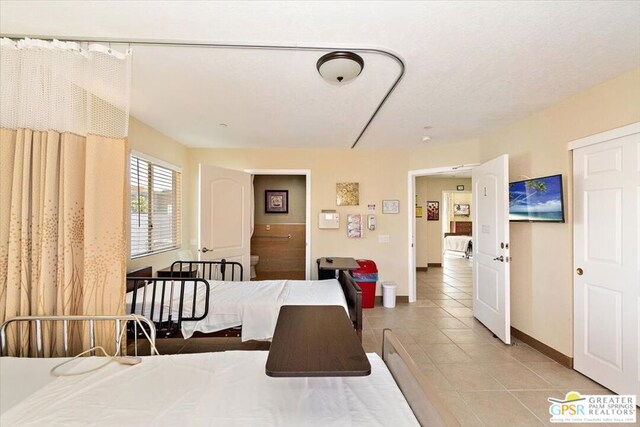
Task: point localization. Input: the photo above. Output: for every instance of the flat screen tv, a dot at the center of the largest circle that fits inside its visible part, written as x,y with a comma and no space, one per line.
536,200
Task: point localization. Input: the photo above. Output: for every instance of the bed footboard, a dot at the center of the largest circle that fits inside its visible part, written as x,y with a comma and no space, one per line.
353,294
168,301
130,322
426,404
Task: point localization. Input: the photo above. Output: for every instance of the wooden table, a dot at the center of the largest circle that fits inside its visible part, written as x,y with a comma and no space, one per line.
186,271
329,270
315,341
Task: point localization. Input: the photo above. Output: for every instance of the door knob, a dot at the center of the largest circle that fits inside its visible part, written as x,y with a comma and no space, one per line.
205,250
500,258
579,271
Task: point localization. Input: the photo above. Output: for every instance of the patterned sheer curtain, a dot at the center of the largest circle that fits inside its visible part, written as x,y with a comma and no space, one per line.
64,111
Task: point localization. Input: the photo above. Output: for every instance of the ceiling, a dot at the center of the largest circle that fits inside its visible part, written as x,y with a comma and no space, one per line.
470,67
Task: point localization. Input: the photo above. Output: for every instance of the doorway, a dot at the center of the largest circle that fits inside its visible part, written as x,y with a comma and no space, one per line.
426,188
280,227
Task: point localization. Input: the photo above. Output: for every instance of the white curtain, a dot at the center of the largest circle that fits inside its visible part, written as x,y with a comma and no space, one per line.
65,87
64,112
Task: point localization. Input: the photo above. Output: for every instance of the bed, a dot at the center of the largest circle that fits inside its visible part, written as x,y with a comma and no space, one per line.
460,244
215,303
205,389
458,240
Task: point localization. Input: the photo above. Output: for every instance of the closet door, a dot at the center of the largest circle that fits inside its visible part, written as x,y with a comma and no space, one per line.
606,269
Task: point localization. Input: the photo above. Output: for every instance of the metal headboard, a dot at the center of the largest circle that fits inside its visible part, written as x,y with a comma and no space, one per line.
118,321
210,270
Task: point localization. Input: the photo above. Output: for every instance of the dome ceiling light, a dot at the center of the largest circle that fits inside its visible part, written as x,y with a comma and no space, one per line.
340,67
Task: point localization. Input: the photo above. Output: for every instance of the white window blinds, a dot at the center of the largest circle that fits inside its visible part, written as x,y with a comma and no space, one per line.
155,207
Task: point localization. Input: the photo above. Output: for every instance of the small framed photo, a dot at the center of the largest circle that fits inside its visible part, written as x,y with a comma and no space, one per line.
390,206
433,211
461,210
276,201
460,188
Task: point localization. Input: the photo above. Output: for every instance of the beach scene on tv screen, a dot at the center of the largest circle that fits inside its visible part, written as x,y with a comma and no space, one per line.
536,200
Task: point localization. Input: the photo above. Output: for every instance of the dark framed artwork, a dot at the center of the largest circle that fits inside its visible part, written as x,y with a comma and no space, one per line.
433,211
276,201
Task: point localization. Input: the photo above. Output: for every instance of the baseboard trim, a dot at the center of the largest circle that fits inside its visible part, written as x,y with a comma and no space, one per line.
434,264
399,298
551,353
422,268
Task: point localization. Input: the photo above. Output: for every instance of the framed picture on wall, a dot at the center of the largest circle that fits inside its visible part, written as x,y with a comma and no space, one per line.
276,201
390,206
461,209
433,211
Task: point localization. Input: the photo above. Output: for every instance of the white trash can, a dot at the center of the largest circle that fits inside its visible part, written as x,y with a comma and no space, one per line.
389,294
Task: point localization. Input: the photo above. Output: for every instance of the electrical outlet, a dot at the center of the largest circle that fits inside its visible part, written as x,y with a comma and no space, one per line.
268,227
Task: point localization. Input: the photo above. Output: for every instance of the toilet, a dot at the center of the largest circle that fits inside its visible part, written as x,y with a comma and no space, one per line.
254,260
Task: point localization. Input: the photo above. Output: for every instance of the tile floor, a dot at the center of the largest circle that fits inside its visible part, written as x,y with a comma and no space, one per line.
485,382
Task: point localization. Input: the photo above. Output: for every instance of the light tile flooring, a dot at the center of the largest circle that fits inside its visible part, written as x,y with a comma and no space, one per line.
485,382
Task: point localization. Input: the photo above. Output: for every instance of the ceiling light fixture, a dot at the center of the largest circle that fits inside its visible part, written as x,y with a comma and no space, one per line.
340,67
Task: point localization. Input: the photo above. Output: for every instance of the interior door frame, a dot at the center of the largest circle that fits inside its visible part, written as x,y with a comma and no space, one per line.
307,174
411,216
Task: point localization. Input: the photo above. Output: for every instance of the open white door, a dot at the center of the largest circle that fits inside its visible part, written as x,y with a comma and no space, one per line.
491,291
225,214
606,178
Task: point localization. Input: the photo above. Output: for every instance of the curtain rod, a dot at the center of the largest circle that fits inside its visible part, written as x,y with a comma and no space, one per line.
180,43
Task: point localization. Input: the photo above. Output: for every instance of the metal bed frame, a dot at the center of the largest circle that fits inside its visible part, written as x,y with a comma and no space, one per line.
423,399
118,321
165,324
215,270
211,270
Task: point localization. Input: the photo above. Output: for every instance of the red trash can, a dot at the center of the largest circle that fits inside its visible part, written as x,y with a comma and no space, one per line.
366,277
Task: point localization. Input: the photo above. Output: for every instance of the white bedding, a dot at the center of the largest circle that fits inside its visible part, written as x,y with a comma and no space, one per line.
456,243
254,305
207,389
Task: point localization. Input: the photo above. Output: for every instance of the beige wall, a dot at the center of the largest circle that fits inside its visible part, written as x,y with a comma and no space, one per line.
295,184
382,174
147,140
429,233
542,267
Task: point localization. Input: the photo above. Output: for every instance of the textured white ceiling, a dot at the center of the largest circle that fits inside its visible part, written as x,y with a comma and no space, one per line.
471,67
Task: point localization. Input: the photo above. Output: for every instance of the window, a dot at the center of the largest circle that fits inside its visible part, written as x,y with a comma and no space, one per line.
155,206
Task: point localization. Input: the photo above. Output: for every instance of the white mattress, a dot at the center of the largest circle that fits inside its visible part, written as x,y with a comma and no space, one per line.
225,389
252,305
20,377
456,243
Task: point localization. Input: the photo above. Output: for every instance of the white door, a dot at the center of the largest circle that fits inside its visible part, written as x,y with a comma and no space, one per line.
491,291
225,214
606,181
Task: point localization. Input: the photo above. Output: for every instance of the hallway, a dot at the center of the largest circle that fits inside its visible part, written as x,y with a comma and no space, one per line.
485,381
